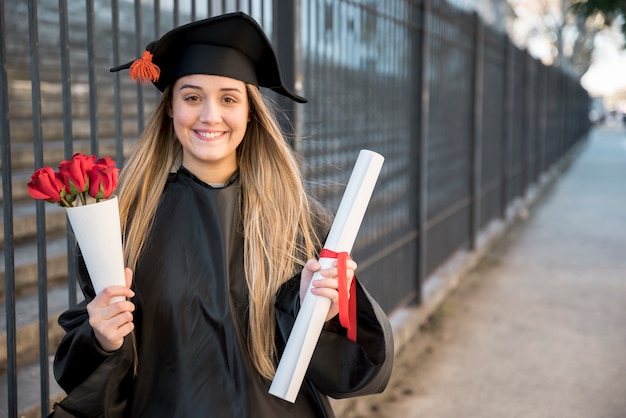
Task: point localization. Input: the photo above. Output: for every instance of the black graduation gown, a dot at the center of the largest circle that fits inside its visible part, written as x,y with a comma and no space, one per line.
190,326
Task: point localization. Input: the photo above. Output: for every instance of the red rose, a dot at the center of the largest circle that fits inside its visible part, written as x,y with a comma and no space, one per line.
75,173
46,184
103,178
107,161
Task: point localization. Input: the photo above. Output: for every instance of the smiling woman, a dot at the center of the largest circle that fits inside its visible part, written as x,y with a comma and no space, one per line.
210,116
220,240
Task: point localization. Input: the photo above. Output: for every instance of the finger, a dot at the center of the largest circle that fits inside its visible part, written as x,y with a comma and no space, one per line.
334,272
128,273
106,294
108,328
104,323
312,265
350,264
107,311
327,292
328,283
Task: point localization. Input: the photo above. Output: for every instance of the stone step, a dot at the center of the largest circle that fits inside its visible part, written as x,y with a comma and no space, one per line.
53,130
27,324
27,348
51,93
25,221
19,180
22,154
26,265
29,390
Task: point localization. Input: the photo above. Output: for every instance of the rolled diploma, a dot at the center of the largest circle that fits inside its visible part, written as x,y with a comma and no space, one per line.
310,320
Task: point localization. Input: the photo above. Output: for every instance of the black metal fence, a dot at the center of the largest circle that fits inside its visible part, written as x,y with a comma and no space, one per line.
466,121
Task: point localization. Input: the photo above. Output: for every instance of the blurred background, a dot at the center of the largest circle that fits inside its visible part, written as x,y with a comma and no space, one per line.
585,38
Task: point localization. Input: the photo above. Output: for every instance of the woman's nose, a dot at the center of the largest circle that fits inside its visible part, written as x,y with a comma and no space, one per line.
210,112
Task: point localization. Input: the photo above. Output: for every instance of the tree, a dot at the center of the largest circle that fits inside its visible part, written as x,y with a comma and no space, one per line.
553,32
608,10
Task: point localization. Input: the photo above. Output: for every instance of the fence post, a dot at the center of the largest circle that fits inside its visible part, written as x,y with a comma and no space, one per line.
543,106
42,273
7,209
286,40
139,48
530,122
422,238
93,91
117,99
477,133
509,78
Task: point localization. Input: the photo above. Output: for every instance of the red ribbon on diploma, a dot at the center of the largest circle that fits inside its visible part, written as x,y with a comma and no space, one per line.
347,305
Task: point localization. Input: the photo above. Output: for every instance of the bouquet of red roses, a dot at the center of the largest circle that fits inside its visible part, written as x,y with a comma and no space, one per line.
84,185
77,178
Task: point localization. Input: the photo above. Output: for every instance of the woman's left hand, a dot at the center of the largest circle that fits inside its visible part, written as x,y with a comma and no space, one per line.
327,285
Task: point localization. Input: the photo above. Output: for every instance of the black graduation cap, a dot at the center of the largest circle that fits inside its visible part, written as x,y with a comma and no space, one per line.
231,45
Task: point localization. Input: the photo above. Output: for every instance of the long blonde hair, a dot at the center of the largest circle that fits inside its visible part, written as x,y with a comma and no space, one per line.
278,220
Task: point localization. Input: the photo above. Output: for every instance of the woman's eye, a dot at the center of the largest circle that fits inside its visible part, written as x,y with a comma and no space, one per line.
229,100
192,98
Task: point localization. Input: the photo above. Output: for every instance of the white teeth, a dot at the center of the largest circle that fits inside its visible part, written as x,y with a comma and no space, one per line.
209,135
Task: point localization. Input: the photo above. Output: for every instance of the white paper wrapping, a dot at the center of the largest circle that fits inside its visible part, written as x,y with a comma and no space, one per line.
308,326
97,230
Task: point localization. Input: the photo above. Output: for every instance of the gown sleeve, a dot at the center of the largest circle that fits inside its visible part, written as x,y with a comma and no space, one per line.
341,368
96,383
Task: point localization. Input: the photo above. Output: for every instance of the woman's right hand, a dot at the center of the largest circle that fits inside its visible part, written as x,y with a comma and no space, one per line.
111,323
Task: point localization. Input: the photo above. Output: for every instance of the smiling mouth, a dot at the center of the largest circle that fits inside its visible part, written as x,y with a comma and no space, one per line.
210,135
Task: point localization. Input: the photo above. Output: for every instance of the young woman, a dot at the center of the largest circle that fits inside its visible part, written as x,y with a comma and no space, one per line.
220,240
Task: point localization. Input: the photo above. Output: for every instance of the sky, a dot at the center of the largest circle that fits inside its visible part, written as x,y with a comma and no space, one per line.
607,74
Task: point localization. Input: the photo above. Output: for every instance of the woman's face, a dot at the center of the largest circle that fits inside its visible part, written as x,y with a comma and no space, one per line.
210,115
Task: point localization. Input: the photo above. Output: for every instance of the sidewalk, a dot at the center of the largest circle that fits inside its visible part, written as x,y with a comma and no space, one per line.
538,329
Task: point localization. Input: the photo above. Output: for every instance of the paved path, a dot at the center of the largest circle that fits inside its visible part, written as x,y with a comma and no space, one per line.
539,328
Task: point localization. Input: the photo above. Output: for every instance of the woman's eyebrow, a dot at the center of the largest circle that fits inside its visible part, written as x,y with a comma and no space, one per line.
189,86
225,89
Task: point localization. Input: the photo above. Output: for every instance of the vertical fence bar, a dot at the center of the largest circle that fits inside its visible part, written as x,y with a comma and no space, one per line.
65,79
68,145
157,33
7,209
286,28
416,66
562,109
68,151
33,32
138,51
509,78
176,13
115,24
157,18
91,68
542,103
422,243
477,134
530,124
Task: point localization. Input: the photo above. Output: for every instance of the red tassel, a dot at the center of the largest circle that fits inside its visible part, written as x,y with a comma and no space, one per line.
144,70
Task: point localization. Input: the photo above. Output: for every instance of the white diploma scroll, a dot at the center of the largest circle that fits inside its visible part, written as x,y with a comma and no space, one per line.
308,326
